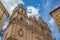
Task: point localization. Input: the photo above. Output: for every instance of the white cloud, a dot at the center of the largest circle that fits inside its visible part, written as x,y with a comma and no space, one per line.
5,24
57,6
52,25
32,11
47,3
6,0
51,21
20,1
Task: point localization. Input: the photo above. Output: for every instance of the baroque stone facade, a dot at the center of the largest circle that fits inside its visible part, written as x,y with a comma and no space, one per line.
3,15
56,15
23,28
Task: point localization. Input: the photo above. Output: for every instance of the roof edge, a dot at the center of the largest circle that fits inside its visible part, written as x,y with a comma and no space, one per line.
4,9
54,10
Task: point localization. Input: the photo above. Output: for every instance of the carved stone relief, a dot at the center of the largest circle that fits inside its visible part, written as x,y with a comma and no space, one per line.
20,32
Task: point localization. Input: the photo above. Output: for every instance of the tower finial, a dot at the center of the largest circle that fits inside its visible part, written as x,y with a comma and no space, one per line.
20,5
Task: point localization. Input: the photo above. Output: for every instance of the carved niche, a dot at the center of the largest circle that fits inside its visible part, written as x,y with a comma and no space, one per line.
20,32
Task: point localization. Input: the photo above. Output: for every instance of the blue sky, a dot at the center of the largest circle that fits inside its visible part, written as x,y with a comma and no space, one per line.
38,8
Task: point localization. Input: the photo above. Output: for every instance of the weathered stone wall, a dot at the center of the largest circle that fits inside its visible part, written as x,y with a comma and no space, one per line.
3,15
23,28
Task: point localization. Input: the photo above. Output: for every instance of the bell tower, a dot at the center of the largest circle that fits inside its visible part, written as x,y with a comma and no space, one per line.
19,12
23,28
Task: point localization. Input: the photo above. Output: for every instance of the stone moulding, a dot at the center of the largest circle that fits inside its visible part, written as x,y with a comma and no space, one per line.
28,27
